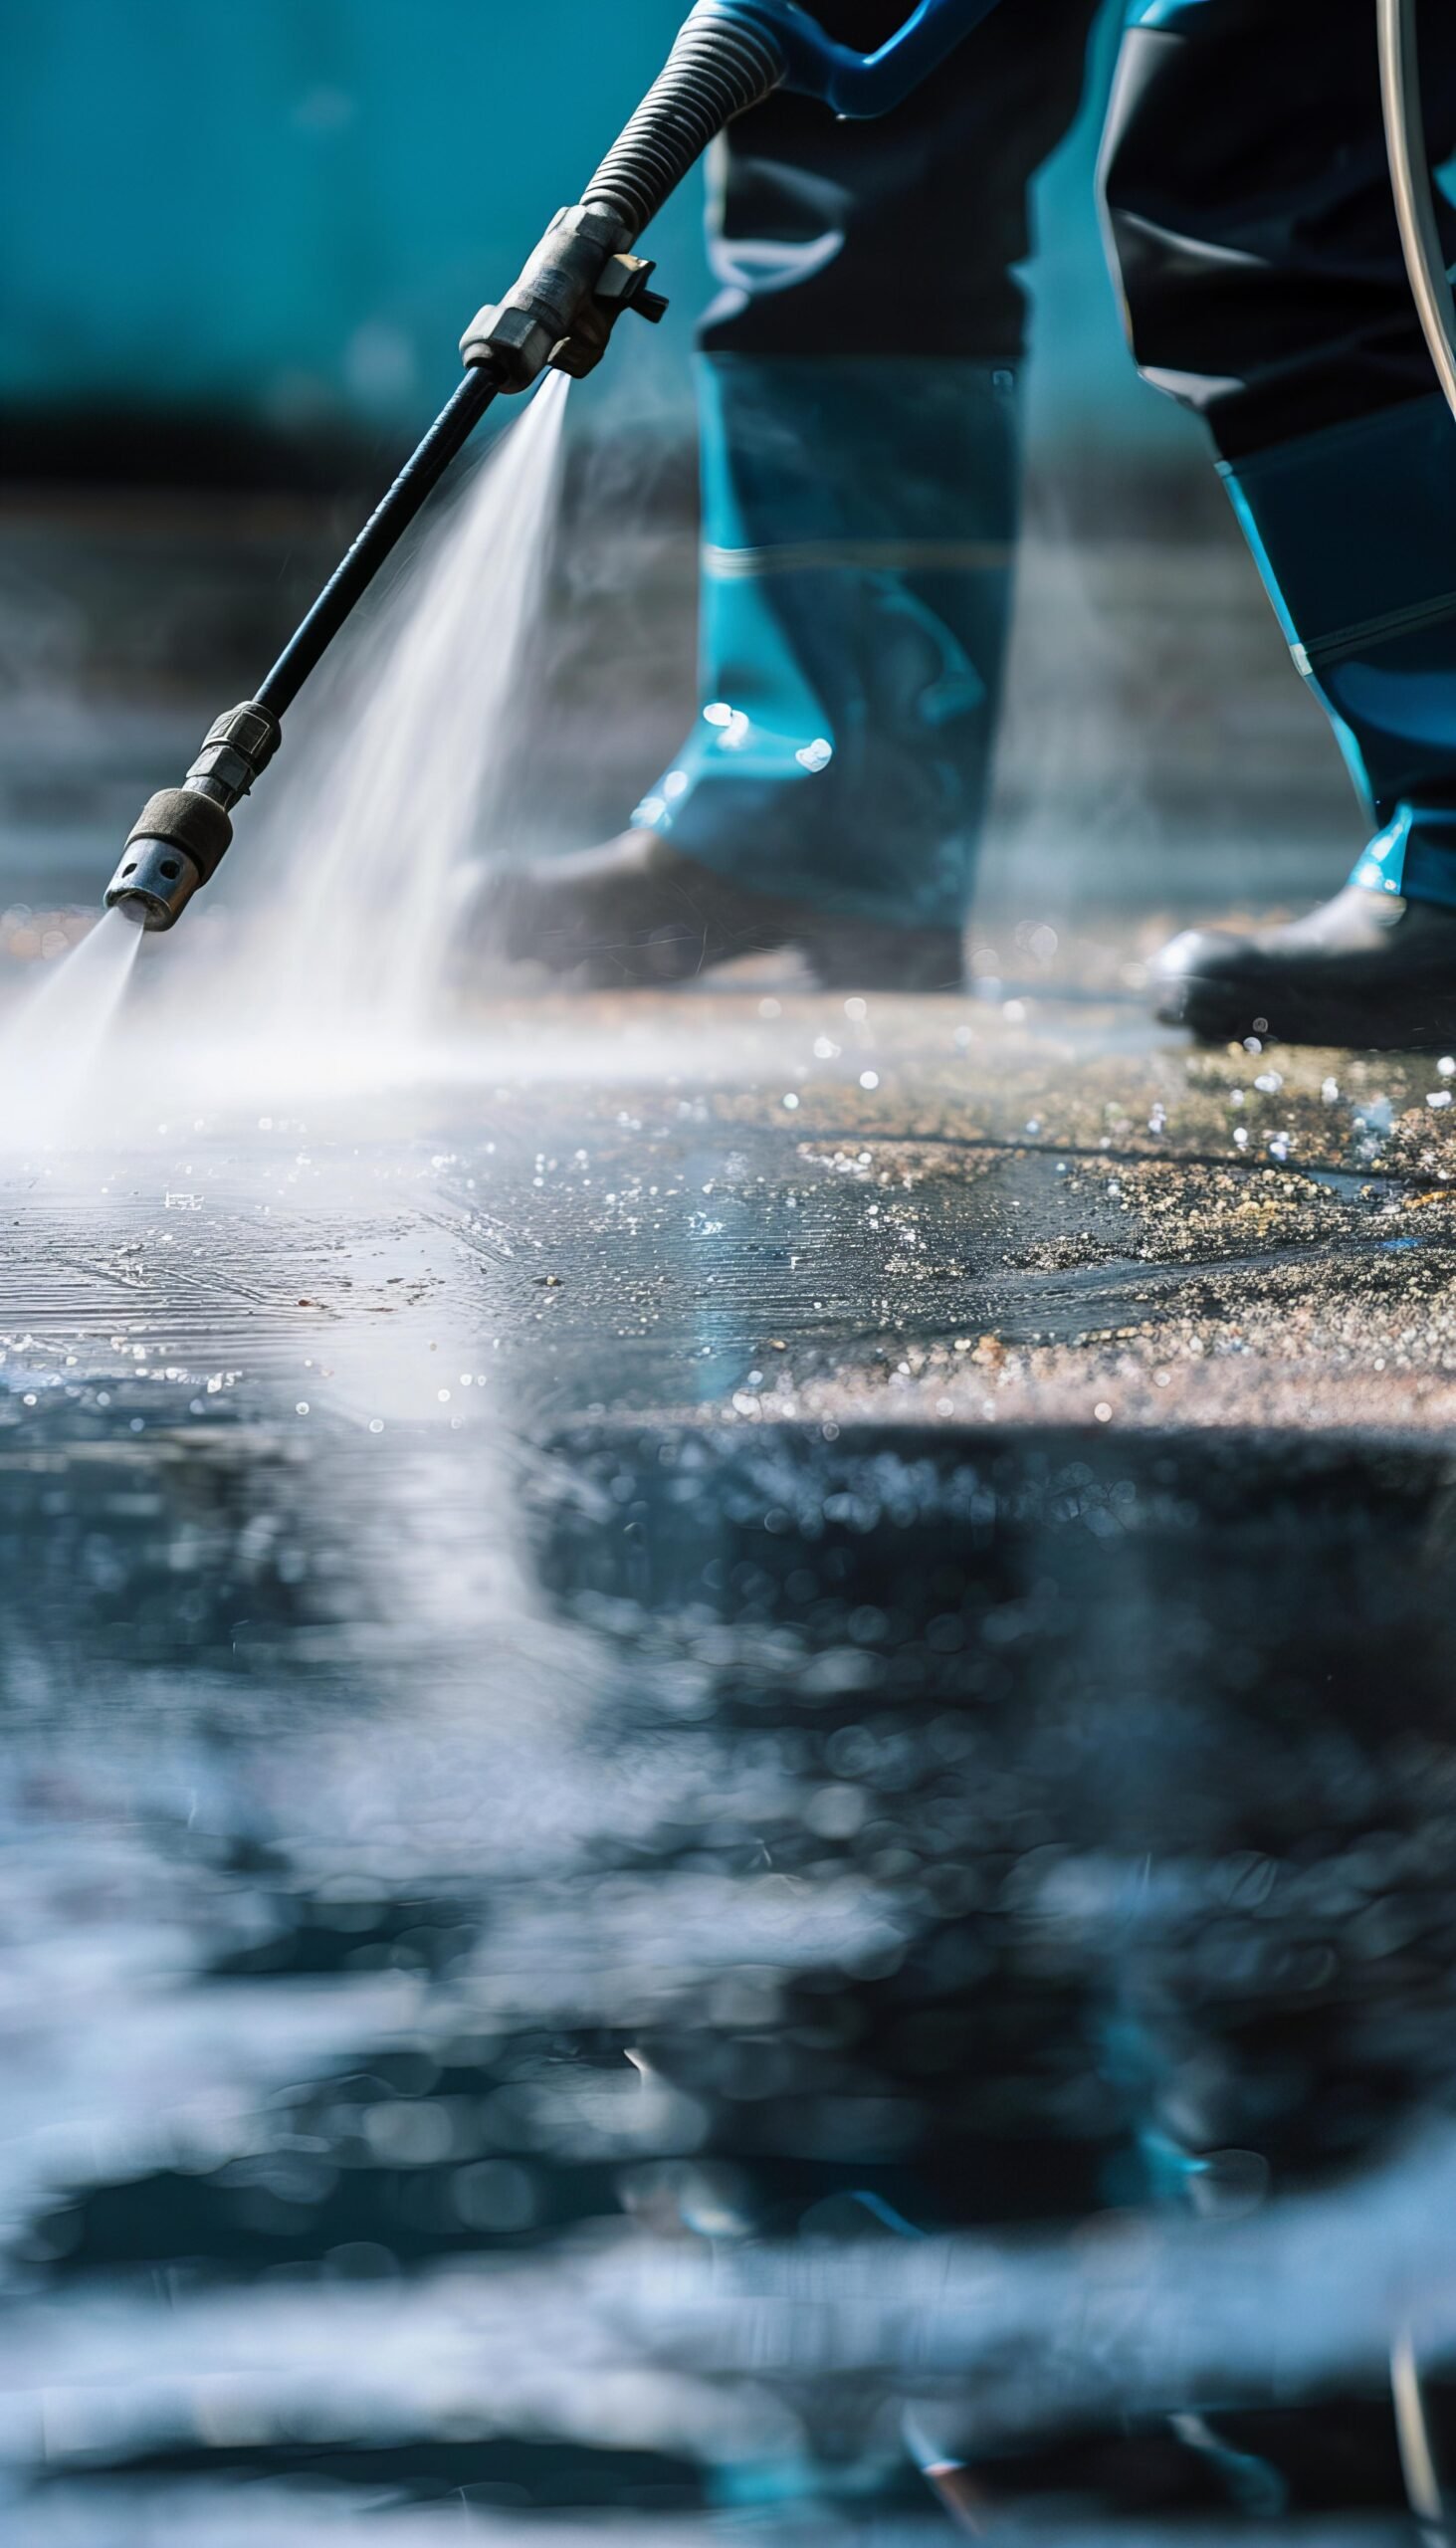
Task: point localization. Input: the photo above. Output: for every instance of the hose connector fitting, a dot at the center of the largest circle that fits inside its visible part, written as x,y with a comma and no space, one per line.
570,294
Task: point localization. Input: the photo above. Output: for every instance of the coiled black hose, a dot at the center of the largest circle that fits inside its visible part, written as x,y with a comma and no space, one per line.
719,67
1411,177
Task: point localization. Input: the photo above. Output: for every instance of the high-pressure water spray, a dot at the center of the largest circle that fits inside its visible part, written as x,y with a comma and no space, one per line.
583,277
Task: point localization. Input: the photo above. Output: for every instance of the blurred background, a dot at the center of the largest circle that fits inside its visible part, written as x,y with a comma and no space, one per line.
245,240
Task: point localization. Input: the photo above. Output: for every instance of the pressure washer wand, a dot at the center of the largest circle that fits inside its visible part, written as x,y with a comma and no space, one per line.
391,516
728,56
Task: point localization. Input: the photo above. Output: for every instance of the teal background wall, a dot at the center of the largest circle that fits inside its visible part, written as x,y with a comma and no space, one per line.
287,209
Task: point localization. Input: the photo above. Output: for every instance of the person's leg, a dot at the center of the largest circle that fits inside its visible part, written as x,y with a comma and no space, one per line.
857,398
1250,210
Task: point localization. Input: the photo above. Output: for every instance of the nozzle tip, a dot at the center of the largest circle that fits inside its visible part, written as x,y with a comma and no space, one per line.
154,884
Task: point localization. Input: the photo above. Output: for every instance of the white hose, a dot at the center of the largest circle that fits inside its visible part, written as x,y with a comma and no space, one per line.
1411,177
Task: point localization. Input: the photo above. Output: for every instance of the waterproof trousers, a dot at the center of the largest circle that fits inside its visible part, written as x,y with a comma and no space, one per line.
859,404
868,276
1249,206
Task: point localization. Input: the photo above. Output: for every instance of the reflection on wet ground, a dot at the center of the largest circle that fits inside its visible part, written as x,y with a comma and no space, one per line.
728,1797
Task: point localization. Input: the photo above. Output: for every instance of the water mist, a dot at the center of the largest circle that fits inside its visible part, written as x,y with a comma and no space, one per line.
381,806
50,1049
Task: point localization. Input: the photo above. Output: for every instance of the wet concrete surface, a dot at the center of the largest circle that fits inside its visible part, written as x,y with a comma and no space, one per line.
601,1666
727,1771
976,1210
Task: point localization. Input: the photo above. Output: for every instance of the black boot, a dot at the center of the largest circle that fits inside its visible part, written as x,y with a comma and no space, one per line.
1367,969
636,914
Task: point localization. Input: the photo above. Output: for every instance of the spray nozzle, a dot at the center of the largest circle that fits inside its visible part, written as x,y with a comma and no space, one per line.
178,839
154,882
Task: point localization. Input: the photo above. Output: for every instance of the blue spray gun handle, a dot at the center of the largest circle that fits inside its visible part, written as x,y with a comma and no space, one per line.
730,55
854,83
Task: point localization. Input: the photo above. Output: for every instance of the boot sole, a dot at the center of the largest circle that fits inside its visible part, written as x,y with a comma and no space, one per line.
678,955
1222,1012
631,934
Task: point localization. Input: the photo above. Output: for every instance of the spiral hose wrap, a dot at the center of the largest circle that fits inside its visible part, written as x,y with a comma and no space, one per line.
719,67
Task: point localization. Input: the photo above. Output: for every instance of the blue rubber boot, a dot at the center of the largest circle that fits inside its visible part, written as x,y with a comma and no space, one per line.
1354,530
858,519
859,523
